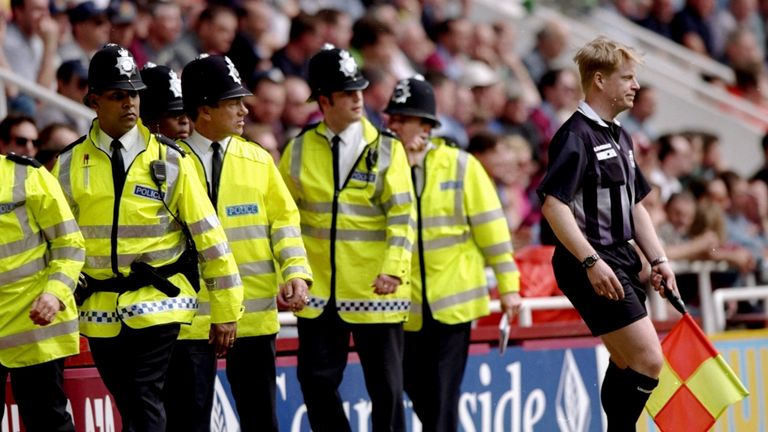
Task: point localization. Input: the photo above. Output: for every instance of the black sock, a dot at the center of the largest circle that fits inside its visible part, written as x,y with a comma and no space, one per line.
623,395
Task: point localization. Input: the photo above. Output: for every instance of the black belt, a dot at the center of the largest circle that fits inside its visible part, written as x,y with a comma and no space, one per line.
143,274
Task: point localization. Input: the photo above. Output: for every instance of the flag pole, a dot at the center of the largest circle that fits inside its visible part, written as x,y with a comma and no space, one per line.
672,298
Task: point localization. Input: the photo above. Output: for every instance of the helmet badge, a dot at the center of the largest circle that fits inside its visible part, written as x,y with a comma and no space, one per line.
174,83
125,64
233,71
347,64
402,92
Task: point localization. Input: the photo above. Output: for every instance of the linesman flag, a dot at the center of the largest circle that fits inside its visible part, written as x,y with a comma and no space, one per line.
696,384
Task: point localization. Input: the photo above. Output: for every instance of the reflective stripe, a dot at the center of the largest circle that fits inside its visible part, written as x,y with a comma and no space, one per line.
485,217
162,228
505,267
124,260
23,271
385,158
19,197
285,232
441,221
373,305
400,220
203,308
415,308
101,317
29,242
292,252
256,268
397,199
295,269
298,148
459,298
260,305
498,249
204,225
344,234
316,303
446,241
65,168
158,306
38,334
458,194
344,208
61,229
171,173
63,278
249,232
400,241
68,252
223,282
215,251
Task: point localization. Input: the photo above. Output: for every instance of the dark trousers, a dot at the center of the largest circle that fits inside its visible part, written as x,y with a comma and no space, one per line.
39,393
189,386
251,374
433,365
323,350
133,366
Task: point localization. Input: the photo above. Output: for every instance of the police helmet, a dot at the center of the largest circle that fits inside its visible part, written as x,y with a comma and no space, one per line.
414,97
333,69
209,79
163,95
113,68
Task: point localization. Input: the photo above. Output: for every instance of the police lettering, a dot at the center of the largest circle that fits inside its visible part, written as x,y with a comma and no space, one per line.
242,210
363,176
451,185
146,192
7,207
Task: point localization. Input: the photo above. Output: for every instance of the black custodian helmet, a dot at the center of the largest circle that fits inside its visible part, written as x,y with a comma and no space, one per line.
163,93
333,69
209,79
414,97
113,68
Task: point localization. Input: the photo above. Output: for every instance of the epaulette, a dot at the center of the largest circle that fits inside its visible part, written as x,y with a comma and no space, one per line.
23,160
450,142
71,146
170,143
389,132
308,128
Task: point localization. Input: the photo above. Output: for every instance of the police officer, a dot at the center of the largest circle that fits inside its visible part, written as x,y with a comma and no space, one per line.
591,196
351,184
42,254
138,199
262,224
162,108
460,228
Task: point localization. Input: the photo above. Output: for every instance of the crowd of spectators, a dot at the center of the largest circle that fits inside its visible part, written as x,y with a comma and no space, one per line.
499,103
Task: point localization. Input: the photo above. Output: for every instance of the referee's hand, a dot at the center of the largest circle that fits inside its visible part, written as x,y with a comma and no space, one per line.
604,281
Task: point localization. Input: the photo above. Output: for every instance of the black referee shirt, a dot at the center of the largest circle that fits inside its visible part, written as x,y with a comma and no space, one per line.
592,169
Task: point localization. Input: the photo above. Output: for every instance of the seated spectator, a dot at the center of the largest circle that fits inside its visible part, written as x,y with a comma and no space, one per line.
90,31
446,95
297,112
375,47
512,68
638,121
738,14
72,83
304,40
547,54
452,38
163,30
213,33
18,134
262,135
335,26
674,163
253,45
266,105
487,91
675,232
692,26
659,18
53,139
122,17
560,94
514,120
376,95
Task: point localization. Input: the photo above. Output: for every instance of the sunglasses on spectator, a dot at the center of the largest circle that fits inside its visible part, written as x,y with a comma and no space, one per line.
23,141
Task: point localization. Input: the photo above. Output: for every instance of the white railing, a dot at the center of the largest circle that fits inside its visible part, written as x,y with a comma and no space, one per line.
42,94
723,295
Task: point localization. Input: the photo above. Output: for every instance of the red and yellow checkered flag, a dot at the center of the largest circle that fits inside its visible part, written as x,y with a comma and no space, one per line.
696,384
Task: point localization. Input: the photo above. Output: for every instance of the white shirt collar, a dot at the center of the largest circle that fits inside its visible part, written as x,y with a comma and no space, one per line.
131,141
202,145
352,134
587,110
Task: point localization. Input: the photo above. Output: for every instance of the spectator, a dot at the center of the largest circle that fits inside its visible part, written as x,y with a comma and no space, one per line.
513,68
675,231
30,45
252,46
742,49
692,27
376,95
72,83
674,163
53,139
90,31
551,43
559,89
297,112
268,101
304,40
452,38
638,121
659,18
514,120
263,136
738,14
414,43
122,17
213,33
375,47
335,26
18,134
163,31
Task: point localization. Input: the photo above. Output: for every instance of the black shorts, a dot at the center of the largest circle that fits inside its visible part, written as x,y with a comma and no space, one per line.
601,314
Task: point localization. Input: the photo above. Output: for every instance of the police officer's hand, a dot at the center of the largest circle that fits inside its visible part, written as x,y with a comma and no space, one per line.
663,271
222,336
385,284
293,295
604,281
44,309
510,304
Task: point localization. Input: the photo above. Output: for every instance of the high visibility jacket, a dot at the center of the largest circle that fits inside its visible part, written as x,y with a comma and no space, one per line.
461,228
41,251
355,233
140,227
262,225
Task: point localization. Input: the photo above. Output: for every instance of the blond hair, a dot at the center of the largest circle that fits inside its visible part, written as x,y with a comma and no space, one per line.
602,55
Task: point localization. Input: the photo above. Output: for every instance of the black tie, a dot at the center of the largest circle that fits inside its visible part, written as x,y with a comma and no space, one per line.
118,167
215,172
335,141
